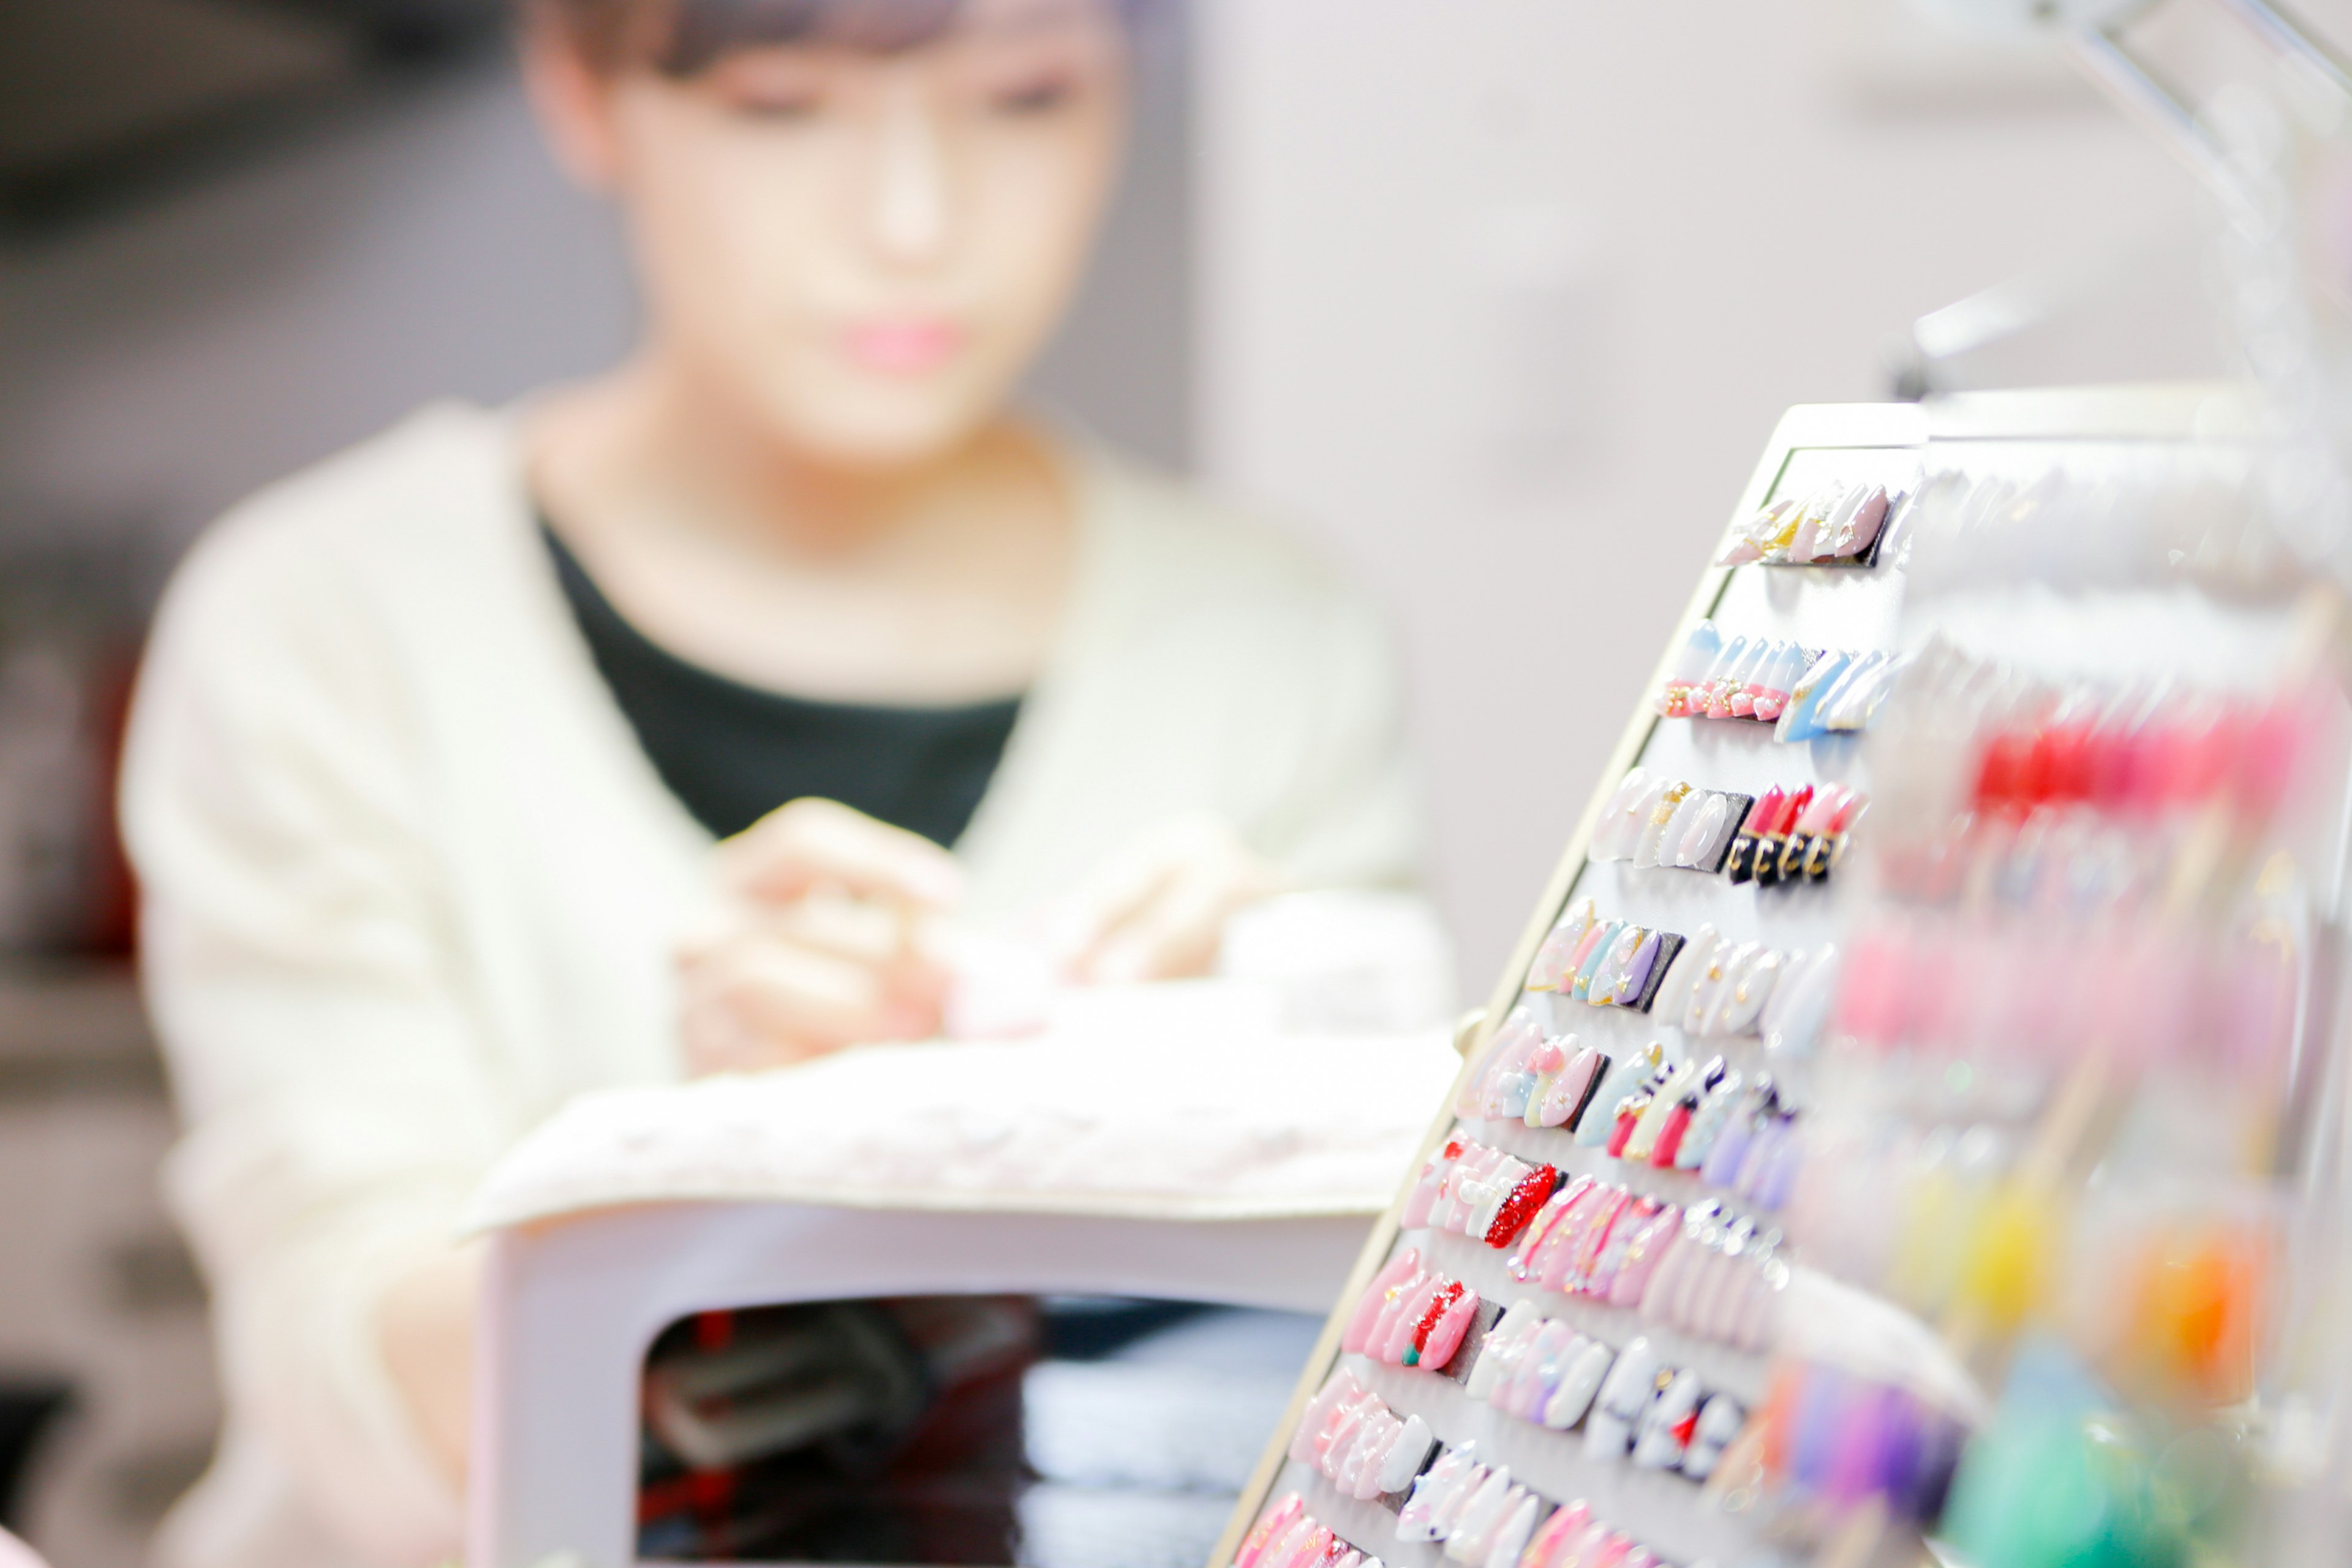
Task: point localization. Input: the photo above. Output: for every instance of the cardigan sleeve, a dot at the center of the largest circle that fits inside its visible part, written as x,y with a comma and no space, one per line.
297,963
1348,815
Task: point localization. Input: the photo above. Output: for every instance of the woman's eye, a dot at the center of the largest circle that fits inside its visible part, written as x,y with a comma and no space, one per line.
769,88
1040,97
760,105
780,108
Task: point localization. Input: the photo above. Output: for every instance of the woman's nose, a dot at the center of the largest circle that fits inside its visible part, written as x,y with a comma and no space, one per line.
910,215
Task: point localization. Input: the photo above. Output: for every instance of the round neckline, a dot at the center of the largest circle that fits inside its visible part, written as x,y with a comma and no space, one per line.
587,596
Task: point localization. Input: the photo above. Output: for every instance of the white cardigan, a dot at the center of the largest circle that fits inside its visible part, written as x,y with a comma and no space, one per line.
410,884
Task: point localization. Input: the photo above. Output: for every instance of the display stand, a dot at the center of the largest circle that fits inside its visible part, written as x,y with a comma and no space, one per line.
1687,1452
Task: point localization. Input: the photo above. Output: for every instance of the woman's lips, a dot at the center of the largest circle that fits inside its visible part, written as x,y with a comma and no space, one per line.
910,346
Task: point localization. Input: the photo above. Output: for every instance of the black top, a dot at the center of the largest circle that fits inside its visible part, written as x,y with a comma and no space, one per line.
733,753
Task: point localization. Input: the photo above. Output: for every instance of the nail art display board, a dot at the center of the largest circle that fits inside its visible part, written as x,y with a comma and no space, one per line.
1499,1206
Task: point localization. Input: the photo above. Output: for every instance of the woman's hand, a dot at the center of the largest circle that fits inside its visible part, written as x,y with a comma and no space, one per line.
815,944
1157,909
424,1327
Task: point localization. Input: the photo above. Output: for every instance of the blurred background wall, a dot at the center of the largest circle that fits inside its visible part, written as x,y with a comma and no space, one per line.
1499,299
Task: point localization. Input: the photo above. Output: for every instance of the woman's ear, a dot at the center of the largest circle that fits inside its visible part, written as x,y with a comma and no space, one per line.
573,100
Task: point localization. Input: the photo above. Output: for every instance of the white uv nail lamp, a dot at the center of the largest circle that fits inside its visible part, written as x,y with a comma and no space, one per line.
1080,1163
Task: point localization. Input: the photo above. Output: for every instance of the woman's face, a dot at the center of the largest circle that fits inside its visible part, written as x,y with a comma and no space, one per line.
858,253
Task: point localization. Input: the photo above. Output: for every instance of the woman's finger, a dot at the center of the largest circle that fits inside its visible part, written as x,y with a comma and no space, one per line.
757,1003
814,845
1176,936
1127,882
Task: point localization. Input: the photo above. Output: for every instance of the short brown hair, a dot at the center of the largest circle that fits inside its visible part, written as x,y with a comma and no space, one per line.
681,38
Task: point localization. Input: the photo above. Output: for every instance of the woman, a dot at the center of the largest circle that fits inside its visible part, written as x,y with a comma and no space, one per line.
652,728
